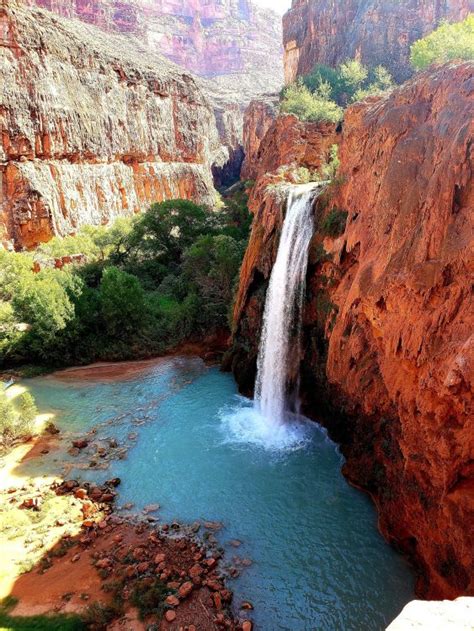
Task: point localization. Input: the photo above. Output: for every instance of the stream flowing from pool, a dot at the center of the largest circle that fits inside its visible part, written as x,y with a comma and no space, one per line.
318,561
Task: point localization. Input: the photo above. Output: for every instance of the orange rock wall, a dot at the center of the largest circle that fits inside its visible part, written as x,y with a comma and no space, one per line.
90,132
375,31
258,118
389,319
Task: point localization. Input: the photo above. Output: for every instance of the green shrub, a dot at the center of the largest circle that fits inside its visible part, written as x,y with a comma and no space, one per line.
334,223
349,82
447,42
310,106
149,599
16,418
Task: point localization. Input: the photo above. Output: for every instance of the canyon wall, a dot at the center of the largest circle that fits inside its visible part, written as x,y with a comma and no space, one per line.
87,133
233,47
207,37
375,31
258,119
388,319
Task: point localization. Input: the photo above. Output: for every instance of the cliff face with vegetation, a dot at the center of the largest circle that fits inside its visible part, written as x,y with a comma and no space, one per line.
91,132
375,31
388,319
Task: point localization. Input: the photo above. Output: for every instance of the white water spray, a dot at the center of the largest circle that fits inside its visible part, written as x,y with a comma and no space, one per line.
283,306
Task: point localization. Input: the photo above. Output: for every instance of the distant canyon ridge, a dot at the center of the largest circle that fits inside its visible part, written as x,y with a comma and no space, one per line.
208,37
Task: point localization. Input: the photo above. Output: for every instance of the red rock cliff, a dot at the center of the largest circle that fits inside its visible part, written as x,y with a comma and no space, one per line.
388,324
208,37
88,134
375,31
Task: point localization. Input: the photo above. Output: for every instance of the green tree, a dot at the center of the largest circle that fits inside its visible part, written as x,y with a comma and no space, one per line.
447,42
307,106
167,229
349,82
122,300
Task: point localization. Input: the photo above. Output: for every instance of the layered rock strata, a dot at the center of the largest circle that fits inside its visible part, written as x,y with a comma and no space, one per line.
375,31
91,132
388,322
208,37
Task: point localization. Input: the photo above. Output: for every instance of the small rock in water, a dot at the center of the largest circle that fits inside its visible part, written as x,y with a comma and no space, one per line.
247,626
246,605
235,543
151,508
82,443
51,429
213,525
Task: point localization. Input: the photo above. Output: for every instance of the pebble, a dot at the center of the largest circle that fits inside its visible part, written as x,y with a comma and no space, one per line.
185,589
82,443
247,626
172,601
170,615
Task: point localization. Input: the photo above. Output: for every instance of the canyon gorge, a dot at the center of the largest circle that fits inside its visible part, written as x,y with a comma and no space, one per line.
387,327
108,107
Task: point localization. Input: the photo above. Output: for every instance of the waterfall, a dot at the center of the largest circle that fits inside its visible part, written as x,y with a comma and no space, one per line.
265,422
283,306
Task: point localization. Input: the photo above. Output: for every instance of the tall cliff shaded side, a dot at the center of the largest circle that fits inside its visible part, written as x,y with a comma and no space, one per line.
89,131
388,321
375,31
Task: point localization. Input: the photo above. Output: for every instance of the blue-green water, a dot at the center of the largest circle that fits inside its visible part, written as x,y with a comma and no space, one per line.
319,562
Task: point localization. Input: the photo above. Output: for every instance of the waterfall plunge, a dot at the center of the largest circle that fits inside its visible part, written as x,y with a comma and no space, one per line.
283,305
268,423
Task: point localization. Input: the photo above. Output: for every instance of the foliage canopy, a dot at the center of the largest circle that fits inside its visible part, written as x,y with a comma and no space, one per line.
447,42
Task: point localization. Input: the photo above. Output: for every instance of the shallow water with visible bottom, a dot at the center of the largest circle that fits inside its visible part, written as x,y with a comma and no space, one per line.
198,449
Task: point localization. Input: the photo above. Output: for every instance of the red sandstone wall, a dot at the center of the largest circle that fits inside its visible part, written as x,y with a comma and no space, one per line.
389,319
375,31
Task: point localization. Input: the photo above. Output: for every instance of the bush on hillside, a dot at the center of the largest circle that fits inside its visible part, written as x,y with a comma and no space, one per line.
16,419
350,81
310,106
447,42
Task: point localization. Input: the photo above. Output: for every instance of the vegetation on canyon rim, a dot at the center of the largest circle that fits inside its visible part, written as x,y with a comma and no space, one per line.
447,42
323,94
147,285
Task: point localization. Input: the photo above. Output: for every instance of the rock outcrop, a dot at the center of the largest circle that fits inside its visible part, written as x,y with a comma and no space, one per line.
446,615
375,31
388,322
87,133
258,119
